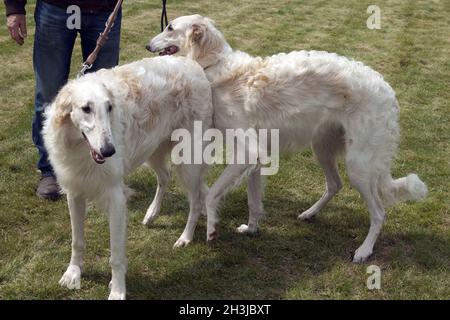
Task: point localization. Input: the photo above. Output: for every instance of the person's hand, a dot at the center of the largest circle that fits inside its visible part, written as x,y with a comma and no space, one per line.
17,26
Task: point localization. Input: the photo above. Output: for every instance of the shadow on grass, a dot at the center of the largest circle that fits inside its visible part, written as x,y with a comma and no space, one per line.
283,253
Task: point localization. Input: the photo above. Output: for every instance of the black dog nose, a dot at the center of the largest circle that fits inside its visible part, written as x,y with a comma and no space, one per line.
148,48
108,150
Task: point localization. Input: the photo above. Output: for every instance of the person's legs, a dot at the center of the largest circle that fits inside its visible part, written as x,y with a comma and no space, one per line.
53,45
92,24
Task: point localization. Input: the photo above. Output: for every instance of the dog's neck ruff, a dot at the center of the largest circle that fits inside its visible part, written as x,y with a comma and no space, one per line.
218,58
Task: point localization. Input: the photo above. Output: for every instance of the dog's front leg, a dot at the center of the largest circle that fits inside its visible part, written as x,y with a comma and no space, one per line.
117,212
158,163
191,178
77,209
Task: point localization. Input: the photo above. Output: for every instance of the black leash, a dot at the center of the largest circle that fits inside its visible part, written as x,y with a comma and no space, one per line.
164,21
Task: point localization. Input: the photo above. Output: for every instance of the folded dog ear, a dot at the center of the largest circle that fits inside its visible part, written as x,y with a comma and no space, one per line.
197,32
63,104
204,42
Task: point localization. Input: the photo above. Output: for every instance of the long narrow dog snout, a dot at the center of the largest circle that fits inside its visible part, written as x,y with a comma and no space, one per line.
108,150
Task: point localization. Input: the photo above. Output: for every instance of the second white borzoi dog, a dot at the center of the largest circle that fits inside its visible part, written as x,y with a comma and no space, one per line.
314,98
103,125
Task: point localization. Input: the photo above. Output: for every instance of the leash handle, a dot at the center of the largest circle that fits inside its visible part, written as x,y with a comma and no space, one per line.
101,40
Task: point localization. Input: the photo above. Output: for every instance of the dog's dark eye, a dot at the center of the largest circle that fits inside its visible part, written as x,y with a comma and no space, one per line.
169,27
109,108
86,109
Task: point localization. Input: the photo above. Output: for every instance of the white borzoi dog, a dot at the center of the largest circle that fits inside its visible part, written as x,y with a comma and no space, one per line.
334,104
103,125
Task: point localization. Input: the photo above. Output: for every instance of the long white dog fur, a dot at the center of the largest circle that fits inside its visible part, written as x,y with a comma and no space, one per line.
103,125
336,105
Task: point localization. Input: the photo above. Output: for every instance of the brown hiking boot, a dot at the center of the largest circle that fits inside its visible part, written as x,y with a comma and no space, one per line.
48,188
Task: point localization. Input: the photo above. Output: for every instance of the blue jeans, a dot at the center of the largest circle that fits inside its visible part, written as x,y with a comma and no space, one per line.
52,53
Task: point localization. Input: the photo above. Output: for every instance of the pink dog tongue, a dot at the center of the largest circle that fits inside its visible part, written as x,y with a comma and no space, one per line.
169,51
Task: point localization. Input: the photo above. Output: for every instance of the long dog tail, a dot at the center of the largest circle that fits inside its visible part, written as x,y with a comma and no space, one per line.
392,191
402,189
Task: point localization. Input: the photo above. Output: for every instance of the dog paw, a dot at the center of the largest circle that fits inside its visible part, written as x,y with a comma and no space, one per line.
212,237
306,215
243,228
150,216
211,232
181,243
148,220
117,290
117,295
71,278
361,255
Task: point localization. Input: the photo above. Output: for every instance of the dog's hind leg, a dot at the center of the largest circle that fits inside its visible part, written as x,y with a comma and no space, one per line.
255,192
328,142
230,177
77,209
361,179
158,163
191,178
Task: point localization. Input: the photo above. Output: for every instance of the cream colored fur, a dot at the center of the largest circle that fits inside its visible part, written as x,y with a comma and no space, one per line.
134,108
332,103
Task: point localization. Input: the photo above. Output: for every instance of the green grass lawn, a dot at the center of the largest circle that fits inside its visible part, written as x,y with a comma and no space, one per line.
288,259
